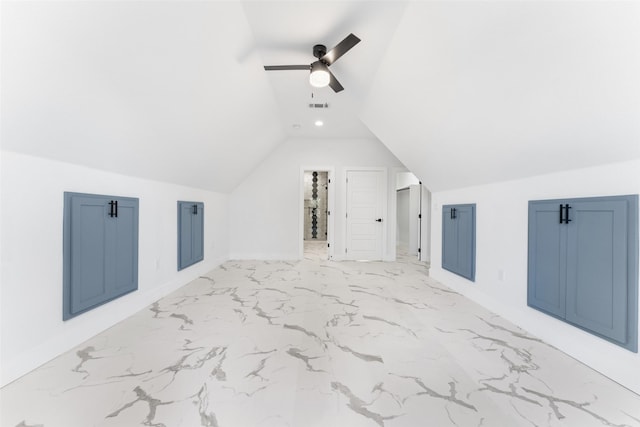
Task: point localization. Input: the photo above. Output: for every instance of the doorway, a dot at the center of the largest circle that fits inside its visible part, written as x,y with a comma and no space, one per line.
408,215
315,221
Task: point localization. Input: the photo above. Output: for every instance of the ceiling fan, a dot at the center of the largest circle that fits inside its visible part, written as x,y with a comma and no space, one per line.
320,76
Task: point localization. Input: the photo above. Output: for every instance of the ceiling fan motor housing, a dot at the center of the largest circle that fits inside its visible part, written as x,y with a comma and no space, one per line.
319,51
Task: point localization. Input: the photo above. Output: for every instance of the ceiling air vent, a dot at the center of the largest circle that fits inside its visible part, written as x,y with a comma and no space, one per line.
325,105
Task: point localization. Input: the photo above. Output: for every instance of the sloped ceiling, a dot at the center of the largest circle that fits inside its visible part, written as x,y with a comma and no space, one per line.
151,89
462,93
477,92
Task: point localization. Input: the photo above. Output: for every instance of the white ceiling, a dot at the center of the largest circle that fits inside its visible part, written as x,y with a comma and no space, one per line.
494,91
285,33
150,89
461,92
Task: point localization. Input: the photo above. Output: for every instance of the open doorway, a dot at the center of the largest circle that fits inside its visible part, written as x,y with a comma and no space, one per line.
413,219
408,215
315,214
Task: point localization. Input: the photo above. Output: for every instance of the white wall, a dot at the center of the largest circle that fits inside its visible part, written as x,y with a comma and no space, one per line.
501,245
265,208
32,330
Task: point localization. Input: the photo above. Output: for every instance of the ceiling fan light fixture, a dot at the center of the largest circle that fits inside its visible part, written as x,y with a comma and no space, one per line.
319,76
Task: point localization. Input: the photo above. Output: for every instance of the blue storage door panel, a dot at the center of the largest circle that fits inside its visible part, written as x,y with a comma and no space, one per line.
197,235
466,241
100,250
125,246
185,237
547,259
449,240
597,267
88,286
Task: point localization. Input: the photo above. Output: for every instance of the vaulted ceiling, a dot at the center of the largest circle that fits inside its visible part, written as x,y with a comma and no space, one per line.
461,92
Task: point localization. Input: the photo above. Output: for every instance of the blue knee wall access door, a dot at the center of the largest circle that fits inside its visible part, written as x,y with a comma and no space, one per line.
100,253
583,264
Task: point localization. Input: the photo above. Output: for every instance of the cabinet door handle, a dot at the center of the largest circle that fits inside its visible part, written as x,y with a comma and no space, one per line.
116,204
195,209
564,214
561,216
111,210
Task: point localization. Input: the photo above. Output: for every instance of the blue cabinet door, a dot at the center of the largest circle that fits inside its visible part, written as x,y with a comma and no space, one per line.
583,264
124,237
88,254
449,239
597,267
185,242
197,233
466,241
190,233
459,240
100,253
547,259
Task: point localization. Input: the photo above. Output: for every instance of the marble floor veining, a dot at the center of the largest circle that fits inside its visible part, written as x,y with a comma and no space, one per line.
316,343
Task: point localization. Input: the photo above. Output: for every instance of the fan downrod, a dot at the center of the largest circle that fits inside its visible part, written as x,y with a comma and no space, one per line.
319,51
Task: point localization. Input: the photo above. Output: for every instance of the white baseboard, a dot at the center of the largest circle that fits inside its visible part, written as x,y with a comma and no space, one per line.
258,256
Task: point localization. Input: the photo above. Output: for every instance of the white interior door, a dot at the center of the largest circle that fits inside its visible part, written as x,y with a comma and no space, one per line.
365,221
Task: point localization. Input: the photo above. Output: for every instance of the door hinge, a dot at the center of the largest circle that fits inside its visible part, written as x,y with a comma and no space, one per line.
329,181
419,250
346,214
419,216
347,180
328,245
345,250
328,212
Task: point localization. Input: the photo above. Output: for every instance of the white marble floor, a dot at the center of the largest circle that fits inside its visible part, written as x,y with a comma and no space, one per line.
316,343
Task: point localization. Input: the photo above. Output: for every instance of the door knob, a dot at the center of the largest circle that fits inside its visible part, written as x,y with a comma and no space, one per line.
379,220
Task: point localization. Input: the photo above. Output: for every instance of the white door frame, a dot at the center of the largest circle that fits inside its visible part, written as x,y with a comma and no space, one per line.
330,207
386,218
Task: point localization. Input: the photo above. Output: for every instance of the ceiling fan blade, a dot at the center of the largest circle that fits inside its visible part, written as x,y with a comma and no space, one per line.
334,83
286,67
340,49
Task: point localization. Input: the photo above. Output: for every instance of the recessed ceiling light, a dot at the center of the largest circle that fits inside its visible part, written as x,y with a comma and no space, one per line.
296,126
319,123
